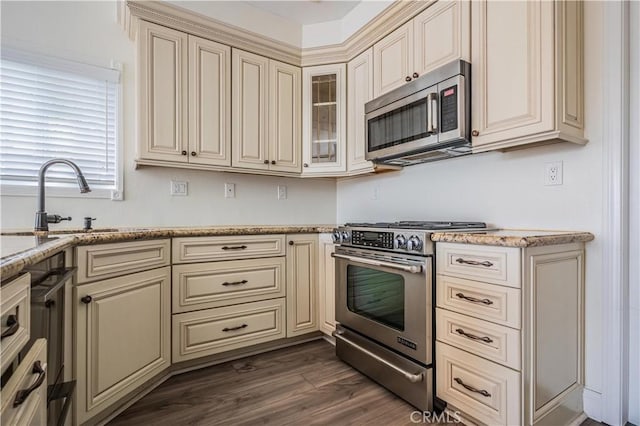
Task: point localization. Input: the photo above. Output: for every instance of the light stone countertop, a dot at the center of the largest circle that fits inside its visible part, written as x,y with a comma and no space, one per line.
19,249
513,237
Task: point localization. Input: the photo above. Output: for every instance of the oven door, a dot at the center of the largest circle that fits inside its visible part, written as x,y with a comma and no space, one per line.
386,297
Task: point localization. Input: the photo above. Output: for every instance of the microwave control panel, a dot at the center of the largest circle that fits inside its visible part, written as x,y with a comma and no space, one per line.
449,108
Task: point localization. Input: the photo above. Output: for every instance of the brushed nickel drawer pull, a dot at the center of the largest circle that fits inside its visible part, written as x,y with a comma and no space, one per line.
474,337
471,388
23,394
13,325
474,300
240,327
226,283
474,262
234,247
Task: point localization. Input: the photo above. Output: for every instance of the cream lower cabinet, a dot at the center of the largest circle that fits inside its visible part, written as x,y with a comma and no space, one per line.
509,333
302,284
527,78
122,337
326,284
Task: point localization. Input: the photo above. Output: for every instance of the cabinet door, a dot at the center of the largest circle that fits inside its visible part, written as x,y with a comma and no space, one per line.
284,117
209,102
324,120
302,285
327,284
513,70
393,60
359,92
122,337
442,35
249,119
162,96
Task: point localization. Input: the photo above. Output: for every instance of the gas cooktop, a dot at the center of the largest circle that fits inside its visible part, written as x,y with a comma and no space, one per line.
419,224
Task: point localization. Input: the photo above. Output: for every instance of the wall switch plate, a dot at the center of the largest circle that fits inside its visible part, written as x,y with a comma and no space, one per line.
229,190
553,173
179,188
282,192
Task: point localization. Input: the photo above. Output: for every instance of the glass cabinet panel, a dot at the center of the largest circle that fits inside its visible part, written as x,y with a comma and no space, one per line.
323,118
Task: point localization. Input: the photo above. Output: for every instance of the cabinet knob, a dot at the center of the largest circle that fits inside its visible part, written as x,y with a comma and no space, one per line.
184,152
193,153
475,133
266,161
306,165
407,78
273,162
416,75
86,300
291,243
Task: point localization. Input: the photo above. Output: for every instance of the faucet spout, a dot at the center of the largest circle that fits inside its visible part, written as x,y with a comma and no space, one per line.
42,223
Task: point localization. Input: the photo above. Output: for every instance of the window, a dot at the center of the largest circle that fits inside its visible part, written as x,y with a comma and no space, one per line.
51,108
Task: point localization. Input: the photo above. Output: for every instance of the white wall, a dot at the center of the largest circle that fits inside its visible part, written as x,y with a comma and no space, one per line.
87,32
507,190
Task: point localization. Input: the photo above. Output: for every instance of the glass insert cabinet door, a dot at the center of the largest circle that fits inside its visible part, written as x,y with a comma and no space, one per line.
324,120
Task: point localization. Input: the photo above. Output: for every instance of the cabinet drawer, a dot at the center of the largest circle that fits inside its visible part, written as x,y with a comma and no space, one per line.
208,332
494,342
480,300
215,284
202,249
15,313
482,389
33,410
498,265
111,260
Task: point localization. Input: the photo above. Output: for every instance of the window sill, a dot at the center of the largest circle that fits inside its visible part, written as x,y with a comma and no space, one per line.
60,192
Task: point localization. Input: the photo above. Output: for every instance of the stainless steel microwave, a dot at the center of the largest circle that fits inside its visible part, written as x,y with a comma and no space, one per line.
427,119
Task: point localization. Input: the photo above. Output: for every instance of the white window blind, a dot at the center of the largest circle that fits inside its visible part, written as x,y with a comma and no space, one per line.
51,108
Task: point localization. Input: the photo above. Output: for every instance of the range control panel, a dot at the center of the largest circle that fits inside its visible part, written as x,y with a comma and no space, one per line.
372,239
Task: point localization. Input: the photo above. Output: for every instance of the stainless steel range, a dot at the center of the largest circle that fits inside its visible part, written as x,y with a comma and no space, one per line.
384,293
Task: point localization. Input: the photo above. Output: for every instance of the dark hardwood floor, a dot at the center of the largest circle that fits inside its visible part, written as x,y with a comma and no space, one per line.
300,385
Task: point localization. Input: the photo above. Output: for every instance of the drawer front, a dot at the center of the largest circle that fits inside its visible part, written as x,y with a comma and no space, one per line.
215,284
498,265
15,314
482,389
111,260
202,249
491,341
208,332
484,301
32,369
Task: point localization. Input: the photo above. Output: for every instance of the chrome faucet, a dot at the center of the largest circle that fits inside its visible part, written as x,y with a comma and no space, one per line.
42,218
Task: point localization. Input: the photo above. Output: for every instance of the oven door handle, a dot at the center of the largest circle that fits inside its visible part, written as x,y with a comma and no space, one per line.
414,269
412,377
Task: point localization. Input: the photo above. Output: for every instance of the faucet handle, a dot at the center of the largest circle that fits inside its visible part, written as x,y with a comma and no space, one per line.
87,222
56,218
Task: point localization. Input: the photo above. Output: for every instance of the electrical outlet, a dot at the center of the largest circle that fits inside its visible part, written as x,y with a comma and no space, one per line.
282,192
553,173
229,190
179,188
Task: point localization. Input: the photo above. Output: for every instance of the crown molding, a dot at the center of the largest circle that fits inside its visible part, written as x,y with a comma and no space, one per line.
169,15
391,18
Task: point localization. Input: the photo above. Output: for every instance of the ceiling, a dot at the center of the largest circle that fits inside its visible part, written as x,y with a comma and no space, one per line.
306,12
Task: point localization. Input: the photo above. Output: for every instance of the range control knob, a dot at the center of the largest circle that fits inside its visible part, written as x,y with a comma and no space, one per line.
346,237
336,236
414,244
400,242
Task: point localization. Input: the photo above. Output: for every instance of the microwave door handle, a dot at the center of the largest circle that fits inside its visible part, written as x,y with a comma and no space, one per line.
432,112
414,269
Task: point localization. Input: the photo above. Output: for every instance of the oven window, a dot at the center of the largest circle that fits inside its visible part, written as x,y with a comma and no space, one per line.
376,295
401,125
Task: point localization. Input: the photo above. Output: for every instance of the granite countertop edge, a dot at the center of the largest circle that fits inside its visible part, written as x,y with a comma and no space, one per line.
535,239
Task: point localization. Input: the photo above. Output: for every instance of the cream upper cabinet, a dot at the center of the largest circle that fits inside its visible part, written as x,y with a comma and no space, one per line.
527,78
393,60
438,35
324,120
302,284
285,144
442,35
162,93
266,113
209,102
359,92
